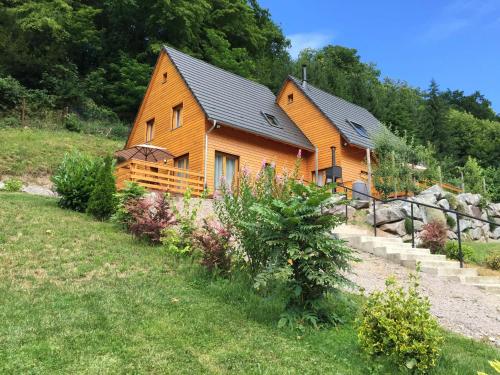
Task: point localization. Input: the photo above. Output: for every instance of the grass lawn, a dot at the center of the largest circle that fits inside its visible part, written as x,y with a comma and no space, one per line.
36,152
483,249
79,296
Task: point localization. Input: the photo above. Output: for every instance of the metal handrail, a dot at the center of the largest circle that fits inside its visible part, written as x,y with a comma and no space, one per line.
412,202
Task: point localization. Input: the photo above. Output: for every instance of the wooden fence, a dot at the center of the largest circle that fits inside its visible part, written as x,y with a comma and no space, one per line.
156,176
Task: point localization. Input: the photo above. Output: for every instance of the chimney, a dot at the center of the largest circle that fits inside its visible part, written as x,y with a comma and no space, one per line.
304,75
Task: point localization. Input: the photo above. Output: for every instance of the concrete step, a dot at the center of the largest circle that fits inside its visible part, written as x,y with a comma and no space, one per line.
359,240
482,280
384,251
412,263
493,288
398,257
448,272
371,246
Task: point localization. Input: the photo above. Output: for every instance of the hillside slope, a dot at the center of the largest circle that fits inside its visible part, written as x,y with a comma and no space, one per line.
35,153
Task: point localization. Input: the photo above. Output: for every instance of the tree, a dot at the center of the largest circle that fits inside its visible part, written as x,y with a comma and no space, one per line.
473,176
476,104
433,126
102,202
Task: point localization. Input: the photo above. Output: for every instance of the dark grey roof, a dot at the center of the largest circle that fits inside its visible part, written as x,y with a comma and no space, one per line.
236,101
340,112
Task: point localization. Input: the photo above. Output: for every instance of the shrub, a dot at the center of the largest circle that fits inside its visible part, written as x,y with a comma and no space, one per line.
495,365
132,190
286,239
461,207
483,203
12,185
451,251
493,261
186,220
171,239
11,93
102,201
10,122
73,123
408,225
74,180
450,221
452,200
434,236
213,241
398,324
149,216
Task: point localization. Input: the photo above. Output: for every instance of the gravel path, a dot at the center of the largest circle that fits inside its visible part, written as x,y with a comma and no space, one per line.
463,309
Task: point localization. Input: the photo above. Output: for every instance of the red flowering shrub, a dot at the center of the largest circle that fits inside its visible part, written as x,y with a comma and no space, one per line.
434,236
213,240
149,216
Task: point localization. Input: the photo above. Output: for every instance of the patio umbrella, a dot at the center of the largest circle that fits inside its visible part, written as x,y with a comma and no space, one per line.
144,152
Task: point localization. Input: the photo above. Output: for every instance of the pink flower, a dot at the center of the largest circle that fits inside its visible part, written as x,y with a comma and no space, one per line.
273,165
299,154
264,162
246,171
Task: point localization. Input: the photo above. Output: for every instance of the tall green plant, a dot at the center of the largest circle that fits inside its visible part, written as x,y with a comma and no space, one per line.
102,202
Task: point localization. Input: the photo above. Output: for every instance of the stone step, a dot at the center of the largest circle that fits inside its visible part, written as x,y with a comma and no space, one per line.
371,246
493,288
398,257
482,280
359,240
448,272
412,263
384,251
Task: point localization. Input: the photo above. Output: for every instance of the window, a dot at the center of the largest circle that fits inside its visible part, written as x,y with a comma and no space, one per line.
290,98
149,130
177,116
182,162
272,120
359,129
226,168
165,76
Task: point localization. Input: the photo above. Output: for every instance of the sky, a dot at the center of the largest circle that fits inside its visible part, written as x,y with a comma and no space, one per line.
455,42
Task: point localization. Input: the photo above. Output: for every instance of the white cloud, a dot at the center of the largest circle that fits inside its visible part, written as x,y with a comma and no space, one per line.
301,41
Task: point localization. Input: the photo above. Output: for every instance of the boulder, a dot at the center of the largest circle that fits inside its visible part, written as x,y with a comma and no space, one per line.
334,199
406,209
340,210
475,211
359,204
494,209
469,198
435,190
397,227
443,203
495,234
426,198
465,224
386,215
451,235
476,233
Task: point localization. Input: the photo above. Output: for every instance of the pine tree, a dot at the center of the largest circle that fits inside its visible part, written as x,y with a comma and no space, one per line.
102,202
433,127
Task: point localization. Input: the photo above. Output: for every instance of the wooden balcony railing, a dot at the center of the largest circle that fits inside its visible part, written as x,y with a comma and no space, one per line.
156,176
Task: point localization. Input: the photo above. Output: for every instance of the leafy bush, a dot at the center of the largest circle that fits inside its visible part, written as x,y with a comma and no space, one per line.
450,221
451,251
398,324
171,239
132,190
213,241
11,93
74,180
433,236
493,261
102,202
13,185
10,122
461,207
73,123
452,200
186,220
408,225
285,239
149,216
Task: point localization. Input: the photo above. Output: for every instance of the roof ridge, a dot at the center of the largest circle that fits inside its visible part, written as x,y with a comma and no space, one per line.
335,96
167,47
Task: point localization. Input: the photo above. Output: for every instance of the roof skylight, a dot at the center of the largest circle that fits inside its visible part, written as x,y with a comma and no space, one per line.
272,120
359,129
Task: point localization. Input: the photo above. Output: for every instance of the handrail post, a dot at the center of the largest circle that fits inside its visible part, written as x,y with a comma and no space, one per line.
412,227
460,254
374,218
346,217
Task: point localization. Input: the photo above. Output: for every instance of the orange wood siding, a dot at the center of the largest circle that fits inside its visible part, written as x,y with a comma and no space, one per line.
321,133
158,102
252,150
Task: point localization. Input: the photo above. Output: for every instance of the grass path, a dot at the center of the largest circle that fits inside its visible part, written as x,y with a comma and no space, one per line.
36,152
79,296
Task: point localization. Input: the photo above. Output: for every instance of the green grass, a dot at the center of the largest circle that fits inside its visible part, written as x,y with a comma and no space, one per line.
79,296
483,249
36,152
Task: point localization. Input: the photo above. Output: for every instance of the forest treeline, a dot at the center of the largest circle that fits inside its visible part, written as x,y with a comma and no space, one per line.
94,58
